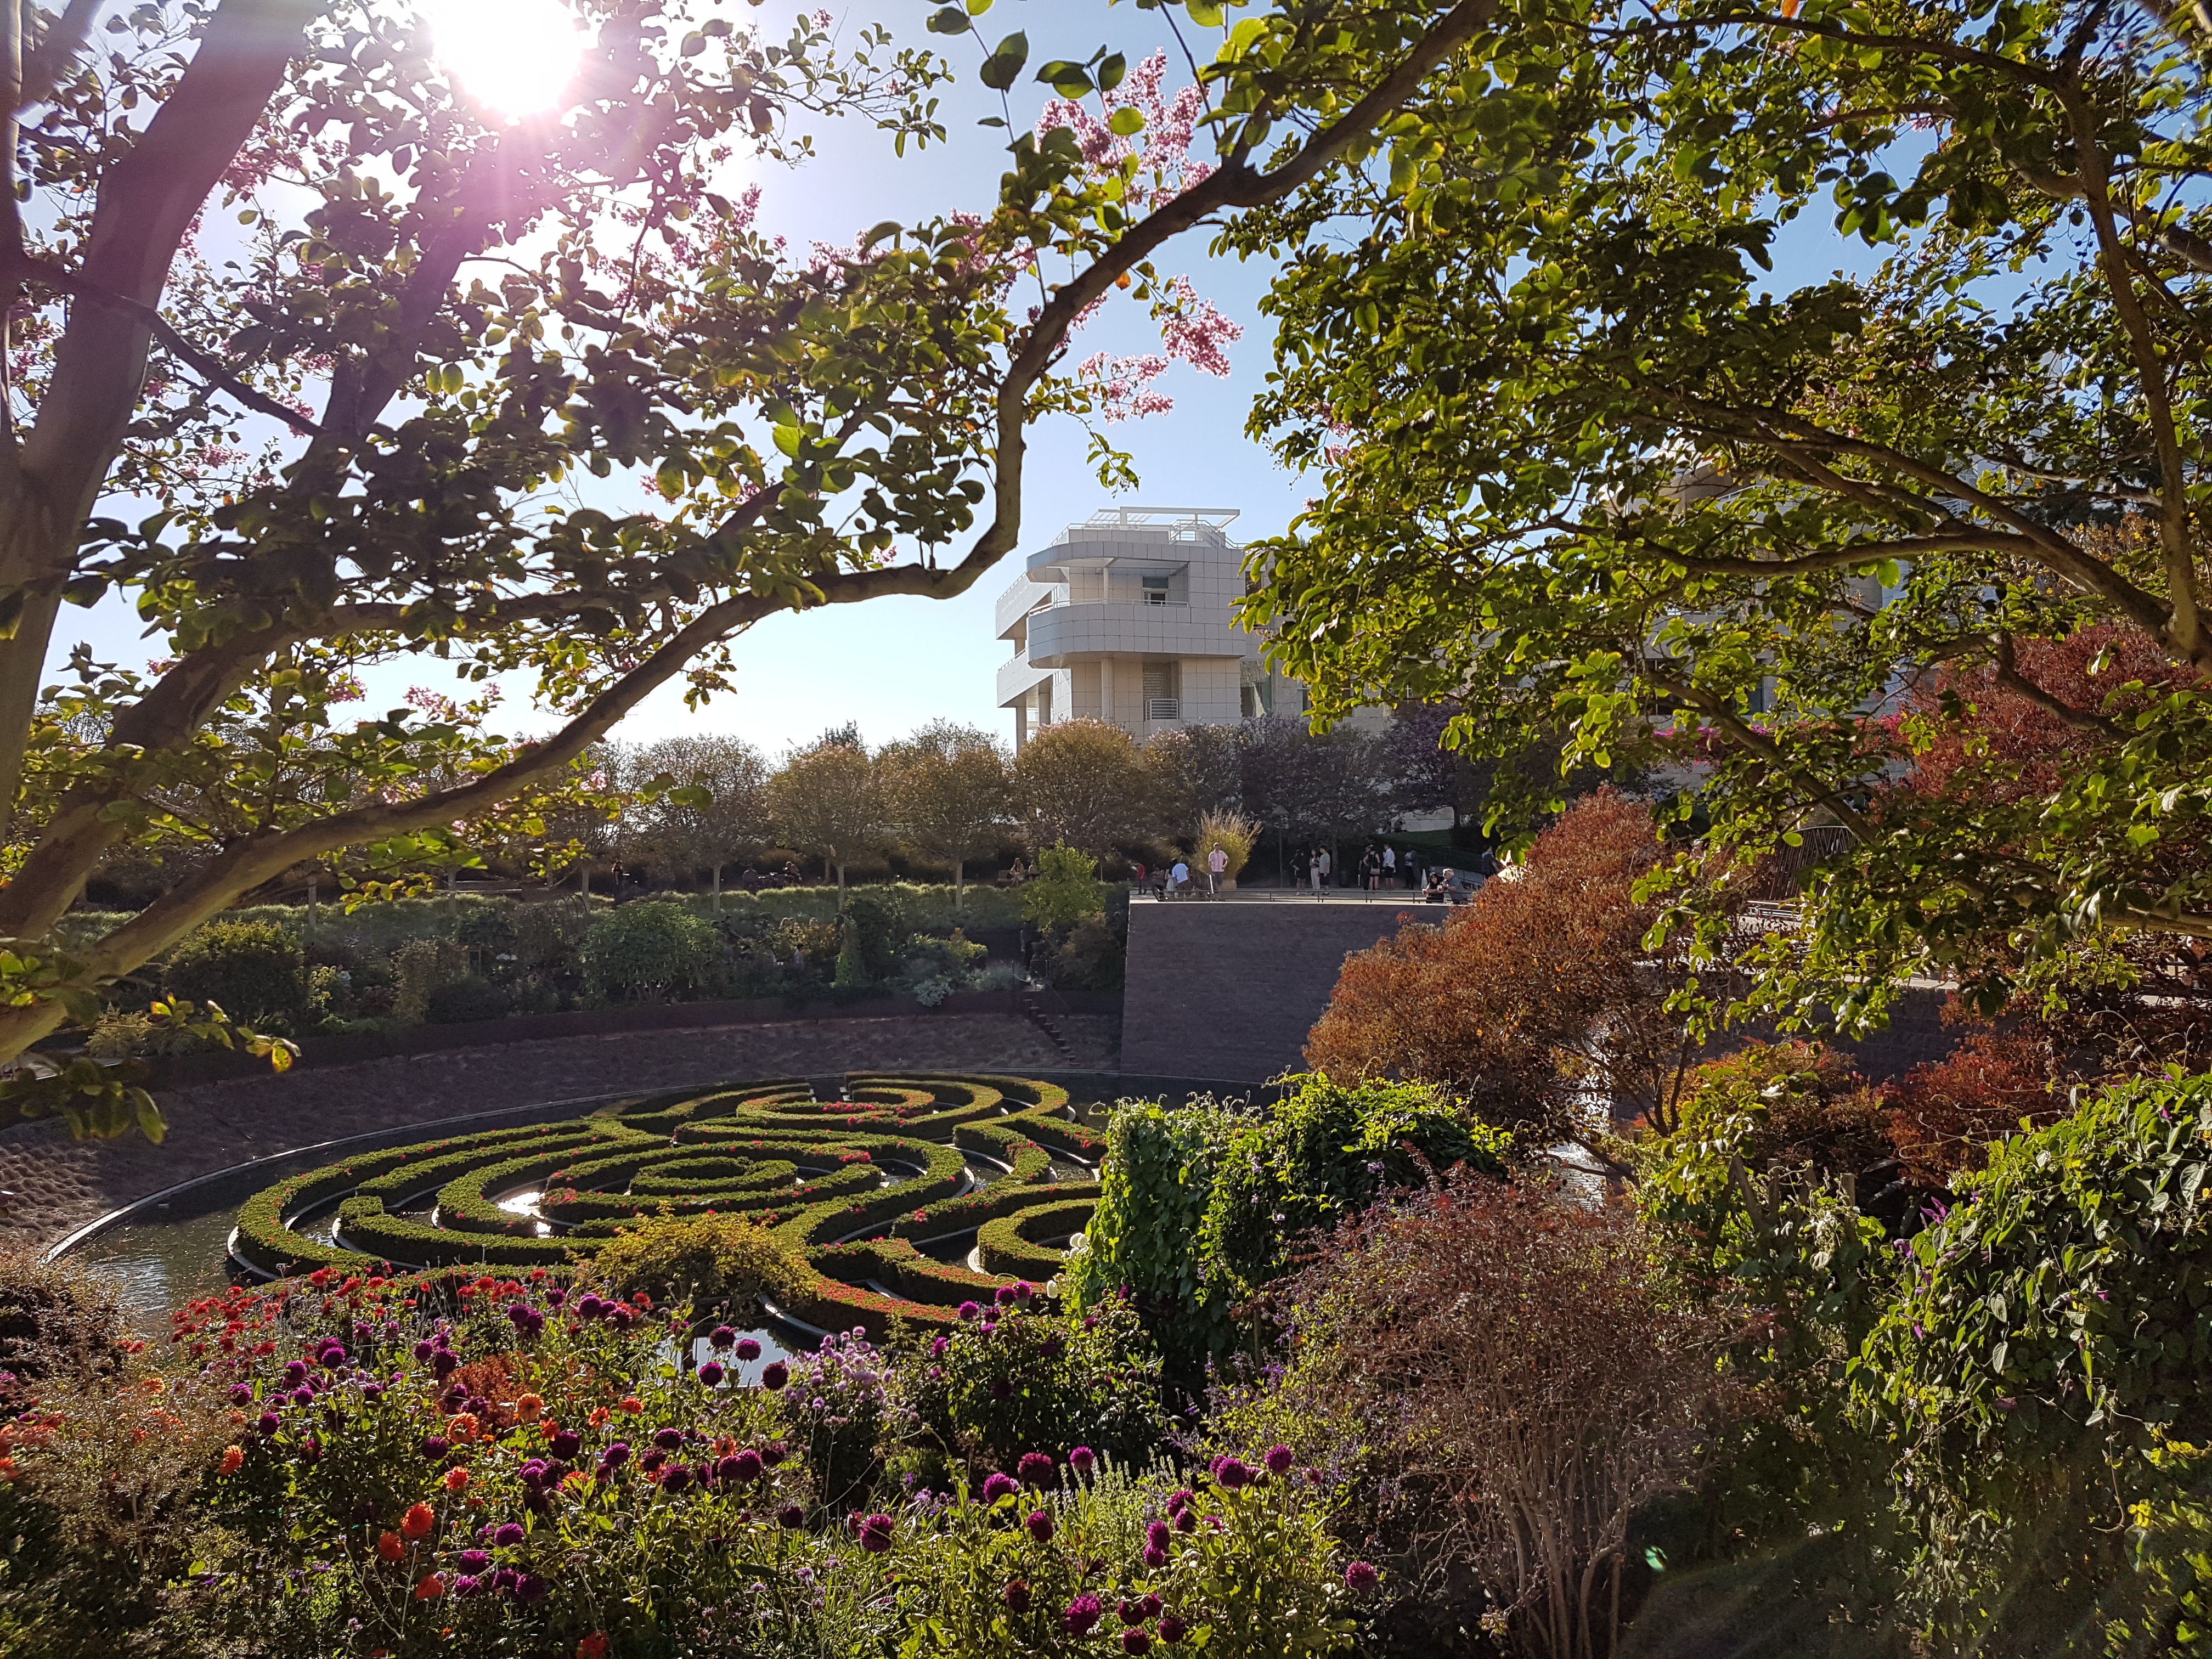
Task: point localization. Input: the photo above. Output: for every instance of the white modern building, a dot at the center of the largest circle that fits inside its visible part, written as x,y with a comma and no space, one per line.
1127,617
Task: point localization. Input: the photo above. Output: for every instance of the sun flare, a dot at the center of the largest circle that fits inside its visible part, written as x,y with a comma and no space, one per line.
514,56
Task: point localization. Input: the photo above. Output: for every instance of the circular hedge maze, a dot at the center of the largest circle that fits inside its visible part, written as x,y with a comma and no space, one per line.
855,1185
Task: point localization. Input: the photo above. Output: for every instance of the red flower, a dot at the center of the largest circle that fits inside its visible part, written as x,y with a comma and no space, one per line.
418,1521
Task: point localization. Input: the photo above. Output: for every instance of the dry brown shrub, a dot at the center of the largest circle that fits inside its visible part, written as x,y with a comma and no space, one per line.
1524,1388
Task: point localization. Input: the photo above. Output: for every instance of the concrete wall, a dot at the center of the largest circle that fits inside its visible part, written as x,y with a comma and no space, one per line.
1230,990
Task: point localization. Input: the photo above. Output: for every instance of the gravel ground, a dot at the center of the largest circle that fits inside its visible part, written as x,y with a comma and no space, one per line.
60,1184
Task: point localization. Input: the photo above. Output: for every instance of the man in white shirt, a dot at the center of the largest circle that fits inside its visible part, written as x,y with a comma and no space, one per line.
1217,865
1389,867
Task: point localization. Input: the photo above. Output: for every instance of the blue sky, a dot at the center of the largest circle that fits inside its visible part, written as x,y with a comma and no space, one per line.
893,664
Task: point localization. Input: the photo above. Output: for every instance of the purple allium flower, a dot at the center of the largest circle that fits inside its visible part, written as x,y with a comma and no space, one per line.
774,1453
774,1375
1132,1612
589,1306
675,1477
721,1337
1135,1641
937,1348
372,1392
792,1515
295,1372
241,1393
435,1446
1179,1499
269,1423
555,1297
565,1443
875,1534
668,1439
1040,1526
509,1536
1361,1578
1081,1458
1082,1613
1151,1605
1023,1291
969,1310
330,1355
1005,1296
999,1485
1157,1535
529,1587
748,1349
463,1586
710,1374
422,1353
1231,1473
616,1456
1186,1521
1278,1460
472,1561
1035,1468
1015,1596
1172,1629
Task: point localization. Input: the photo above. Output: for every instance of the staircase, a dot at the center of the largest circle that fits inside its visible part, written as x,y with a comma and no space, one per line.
1033,1004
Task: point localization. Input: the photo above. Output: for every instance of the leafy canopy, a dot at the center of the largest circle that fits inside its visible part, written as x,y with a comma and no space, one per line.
1603,455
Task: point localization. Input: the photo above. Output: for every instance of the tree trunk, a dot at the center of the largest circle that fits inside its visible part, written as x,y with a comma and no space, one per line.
718,890
959,871
840,884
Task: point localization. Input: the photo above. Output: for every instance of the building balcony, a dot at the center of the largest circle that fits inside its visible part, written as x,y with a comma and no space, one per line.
1063,634
1018,678
1022,596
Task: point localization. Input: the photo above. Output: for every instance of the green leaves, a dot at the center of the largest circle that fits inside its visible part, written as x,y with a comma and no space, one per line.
1004,66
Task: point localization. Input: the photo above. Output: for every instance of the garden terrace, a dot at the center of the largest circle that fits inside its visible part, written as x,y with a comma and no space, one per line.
849,1183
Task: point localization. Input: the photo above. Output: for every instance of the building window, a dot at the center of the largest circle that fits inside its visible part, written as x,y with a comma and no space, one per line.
1156,589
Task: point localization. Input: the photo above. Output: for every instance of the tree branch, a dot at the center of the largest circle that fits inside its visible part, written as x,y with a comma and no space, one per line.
22,266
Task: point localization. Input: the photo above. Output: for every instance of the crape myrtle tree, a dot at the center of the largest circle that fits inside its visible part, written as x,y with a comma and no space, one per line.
372,431
950,794
1598,460
830,801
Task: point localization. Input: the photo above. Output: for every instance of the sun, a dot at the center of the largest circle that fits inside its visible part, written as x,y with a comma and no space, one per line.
514,56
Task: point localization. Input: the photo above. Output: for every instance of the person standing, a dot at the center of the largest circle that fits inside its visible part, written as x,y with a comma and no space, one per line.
1216,866
1322,863
1390,866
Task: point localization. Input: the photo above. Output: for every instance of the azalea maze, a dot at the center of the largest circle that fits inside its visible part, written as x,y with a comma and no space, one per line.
864,1187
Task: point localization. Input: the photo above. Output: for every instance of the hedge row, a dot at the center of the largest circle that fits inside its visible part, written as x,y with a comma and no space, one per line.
737,1150
1010,1244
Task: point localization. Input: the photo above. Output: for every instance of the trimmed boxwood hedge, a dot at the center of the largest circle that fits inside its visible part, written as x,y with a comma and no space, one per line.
1009,1243
879,1167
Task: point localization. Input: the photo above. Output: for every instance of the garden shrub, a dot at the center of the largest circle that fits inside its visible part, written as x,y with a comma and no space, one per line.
1093,957
252,970
1519,1385
1201,1206
2046,1373
1011,1378
1154,1183
1944,1113
648,950
717,1260
1795,1104
458,1001
56,1316
1065,891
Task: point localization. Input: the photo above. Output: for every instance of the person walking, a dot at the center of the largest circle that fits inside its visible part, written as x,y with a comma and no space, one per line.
1178,877
1216,866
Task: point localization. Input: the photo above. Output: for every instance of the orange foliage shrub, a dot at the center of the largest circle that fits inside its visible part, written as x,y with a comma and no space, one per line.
1944,1113
1529,998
